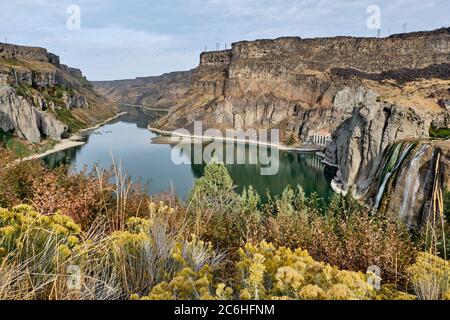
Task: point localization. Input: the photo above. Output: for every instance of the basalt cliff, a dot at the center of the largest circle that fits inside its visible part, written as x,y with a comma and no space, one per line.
40,98
161,92
369,94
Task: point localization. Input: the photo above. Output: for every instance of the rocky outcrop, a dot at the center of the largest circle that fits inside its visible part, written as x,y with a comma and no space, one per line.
12,51
410,189
370,93
384,154
359,142
19,116
40,98
296,84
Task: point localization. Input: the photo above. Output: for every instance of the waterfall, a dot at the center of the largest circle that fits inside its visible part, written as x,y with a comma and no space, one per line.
412,182
390,167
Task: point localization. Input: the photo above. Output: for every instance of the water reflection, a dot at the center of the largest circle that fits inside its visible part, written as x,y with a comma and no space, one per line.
128,140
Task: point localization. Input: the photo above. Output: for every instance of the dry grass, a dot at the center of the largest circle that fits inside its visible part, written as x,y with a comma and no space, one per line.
417,94
129,243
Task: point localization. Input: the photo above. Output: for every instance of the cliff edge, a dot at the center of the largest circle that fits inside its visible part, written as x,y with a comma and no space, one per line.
365,93
40,98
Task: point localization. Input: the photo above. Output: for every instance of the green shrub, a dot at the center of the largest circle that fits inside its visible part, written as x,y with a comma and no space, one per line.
13,144
214,189
439,133
66,116
220,215
344,234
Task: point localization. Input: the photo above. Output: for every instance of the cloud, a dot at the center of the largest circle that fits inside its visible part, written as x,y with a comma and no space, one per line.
276,9
134,38
110,38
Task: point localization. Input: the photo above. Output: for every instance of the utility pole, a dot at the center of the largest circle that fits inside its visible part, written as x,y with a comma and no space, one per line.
217,46
404,27
206,48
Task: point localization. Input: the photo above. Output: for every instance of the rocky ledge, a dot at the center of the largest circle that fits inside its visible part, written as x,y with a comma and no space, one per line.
40,98
367,93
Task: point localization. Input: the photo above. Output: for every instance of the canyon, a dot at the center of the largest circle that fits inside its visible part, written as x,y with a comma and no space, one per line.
156,92
42,99
380,100
369,94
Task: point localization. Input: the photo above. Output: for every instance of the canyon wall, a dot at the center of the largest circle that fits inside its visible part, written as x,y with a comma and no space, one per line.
297,84
158,92
369,93
12,51
40,98
410,182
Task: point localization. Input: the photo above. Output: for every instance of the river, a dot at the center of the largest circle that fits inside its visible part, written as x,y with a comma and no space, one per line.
128,140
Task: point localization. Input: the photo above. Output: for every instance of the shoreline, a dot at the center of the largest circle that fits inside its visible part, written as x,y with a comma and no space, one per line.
143,107
64,144
243,141
73,141
98,125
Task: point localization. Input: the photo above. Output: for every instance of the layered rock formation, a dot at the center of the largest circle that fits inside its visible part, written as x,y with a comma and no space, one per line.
40,98
359,142
159,92
297,84
368,92
410,182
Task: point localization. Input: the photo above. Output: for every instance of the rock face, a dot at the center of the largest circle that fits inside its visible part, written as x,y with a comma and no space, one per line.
40,97
159,92
293,84
408,191
359,142
19,116
11,51
370,93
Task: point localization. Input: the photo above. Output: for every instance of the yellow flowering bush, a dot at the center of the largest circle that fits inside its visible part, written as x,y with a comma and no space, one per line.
154,259
149,252
190,285
430,276
266,272
24,233
35,251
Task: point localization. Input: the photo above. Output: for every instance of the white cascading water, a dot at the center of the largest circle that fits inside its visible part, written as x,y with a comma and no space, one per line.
389,174
412,182
381,191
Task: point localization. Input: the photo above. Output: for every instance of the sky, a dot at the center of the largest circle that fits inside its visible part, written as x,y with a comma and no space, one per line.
117,39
